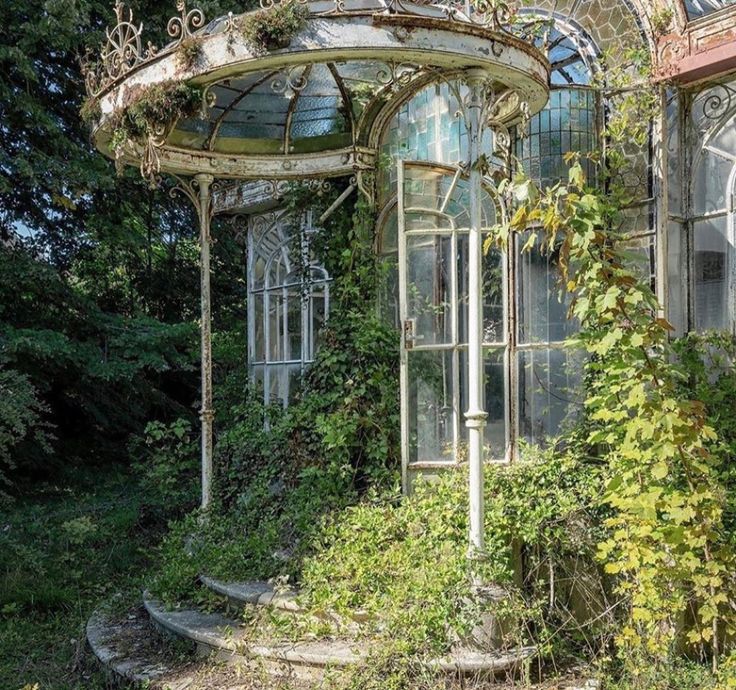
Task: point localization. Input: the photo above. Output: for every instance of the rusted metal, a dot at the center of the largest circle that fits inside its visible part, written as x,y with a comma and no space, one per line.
198,191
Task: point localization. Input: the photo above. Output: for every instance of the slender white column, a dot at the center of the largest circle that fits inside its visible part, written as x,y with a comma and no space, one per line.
475,417
660,154
204,211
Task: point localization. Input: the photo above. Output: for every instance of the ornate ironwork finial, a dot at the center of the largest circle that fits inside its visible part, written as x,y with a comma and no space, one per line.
183,27
123,49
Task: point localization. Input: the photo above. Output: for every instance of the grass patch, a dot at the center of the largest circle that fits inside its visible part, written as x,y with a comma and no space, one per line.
63,552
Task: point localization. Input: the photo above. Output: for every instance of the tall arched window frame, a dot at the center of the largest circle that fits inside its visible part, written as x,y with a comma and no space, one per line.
544,373
532,380
707,251
571,119
288,303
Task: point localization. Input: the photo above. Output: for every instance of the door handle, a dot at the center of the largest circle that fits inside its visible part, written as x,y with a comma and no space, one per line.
410,336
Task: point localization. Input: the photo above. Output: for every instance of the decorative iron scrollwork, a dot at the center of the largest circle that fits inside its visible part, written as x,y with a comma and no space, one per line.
183,27
718,102
123,50
268,4
396,75
294,79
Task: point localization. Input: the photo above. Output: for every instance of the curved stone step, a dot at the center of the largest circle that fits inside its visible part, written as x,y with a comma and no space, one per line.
123,646
214,632
223,636
471,661
256,593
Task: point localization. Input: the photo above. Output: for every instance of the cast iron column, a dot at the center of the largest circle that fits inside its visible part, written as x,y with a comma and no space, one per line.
204,211
475,417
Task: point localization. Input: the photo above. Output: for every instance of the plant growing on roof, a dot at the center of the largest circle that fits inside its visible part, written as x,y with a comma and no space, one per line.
274,27
189,53
90,111
149,117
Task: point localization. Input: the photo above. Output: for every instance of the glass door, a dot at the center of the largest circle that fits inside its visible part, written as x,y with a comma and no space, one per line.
433,289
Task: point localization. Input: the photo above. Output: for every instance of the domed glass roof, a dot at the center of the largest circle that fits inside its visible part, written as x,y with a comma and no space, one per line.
313,106
302,109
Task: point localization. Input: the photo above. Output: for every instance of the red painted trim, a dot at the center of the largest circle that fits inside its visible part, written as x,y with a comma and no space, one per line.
707,64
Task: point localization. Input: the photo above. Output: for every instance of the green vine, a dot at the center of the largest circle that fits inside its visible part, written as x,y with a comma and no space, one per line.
668,549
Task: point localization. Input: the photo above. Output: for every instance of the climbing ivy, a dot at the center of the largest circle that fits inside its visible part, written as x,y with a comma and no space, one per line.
279,472
667,548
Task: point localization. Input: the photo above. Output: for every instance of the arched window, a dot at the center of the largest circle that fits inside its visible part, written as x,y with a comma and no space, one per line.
711,223
288,295
701,8
545,376
569,121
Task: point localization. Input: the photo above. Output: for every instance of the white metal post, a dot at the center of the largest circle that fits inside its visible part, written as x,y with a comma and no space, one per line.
475,417
204,211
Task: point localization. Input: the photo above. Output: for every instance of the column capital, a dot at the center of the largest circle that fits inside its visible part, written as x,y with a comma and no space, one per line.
475,76
204,178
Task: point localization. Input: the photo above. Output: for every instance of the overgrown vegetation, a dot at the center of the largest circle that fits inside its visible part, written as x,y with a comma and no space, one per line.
666,547
152,112
189,53
274,27
97,306
63,550
404,564
279,472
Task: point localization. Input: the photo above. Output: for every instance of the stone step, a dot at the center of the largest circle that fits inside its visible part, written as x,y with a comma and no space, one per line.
255,593
223,636
125,646
241,595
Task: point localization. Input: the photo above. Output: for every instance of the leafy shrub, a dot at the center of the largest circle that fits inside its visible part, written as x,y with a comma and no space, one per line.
167,461
404,563
22,419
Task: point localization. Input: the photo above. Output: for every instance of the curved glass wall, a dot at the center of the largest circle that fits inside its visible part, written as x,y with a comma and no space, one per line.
532,381
288,300
569,121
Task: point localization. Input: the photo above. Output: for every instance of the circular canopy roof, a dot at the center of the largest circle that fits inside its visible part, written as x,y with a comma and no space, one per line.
316,106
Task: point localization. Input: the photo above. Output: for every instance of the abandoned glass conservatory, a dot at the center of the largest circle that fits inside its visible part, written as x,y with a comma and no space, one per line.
421,107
